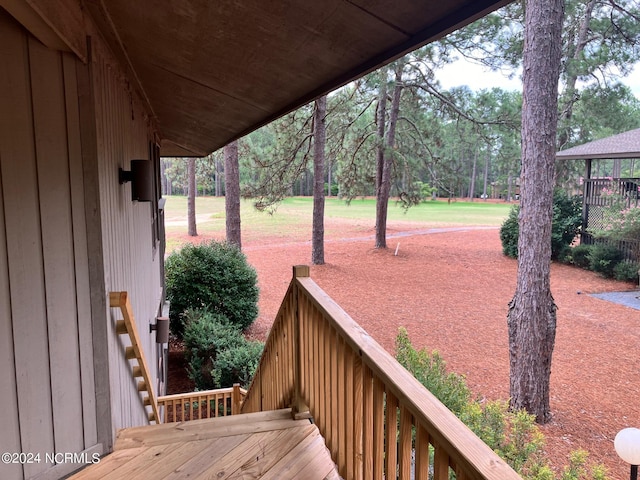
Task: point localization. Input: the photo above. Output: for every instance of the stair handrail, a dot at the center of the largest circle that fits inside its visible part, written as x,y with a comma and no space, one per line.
191,404
377,420
127,326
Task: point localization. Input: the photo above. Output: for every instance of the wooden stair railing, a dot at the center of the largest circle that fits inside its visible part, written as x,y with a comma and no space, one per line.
135,353
183,407
377,420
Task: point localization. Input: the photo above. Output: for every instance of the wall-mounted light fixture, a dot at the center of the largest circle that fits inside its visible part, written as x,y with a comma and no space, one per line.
141,178
162,329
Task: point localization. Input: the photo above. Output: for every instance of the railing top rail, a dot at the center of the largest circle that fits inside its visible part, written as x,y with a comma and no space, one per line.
463,446
199,394
611,179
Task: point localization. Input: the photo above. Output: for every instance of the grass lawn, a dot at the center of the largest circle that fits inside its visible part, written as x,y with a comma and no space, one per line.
294,216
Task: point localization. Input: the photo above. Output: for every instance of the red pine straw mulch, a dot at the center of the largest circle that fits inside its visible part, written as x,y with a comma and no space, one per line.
451,292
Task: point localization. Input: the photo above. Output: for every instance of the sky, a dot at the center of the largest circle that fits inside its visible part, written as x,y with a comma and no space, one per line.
478,77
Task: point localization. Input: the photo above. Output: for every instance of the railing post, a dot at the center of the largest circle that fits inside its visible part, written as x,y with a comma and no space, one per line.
236,399
299,408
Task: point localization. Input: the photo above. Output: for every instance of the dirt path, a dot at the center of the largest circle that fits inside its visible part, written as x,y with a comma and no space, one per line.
450,289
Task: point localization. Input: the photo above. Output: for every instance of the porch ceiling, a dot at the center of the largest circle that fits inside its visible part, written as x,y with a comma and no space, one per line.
213,71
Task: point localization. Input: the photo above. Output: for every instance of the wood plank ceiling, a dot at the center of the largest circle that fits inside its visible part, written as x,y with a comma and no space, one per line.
214,70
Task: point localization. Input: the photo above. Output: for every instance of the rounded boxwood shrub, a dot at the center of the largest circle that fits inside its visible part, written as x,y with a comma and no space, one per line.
604,258
566,222
627,271
509,233
238,364
206,334
214,276
579,256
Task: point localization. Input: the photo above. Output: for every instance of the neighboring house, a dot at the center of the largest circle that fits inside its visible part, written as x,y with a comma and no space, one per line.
87,86
612,163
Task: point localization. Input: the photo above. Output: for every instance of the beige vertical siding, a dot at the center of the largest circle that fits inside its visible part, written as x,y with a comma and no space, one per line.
69,234
10,438
46,366
123,133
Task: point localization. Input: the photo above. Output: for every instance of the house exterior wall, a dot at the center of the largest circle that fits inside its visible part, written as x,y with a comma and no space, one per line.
46,369
69,234
131,257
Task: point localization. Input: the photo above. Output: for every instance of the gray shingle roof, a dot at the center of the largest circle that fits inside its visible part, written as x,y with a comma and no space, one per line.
623,145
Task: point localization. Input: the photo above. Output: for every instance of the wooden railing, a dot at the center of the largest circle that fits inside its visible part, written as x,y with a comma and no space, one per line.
626,188
205,404
377,420
135,353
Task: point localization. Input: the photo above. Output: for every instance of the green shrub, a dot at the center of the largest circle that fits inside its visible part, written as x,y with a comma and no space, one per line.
580,256
604,258
626,271
335,189
566,222
238,364
430,369
578,468
213,276
509,233
620,218
514,436
487,421
206,335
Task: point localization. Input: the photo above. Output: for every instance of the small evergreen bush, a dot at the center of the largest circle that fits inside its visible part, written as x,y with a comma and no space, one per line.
626,271
206,335
604,258
514,436
566,222
238,364
509,233
430,370
217,353
214,276
579,256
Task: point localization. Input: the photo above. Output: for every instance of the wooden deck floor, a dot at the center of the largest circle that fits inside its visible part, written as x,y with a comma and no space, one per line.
266,445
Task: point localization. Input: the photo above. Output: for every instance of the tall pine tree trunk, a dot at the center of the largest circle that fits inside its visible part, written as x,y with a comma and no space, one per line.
232,193
191,198
319,141
381,119
387,146
532,311
472,186
486,178
218,174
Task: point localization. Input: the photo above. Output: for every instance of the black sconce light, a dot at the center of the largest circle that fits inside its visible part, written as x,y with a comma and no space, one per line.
141,178
162,329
